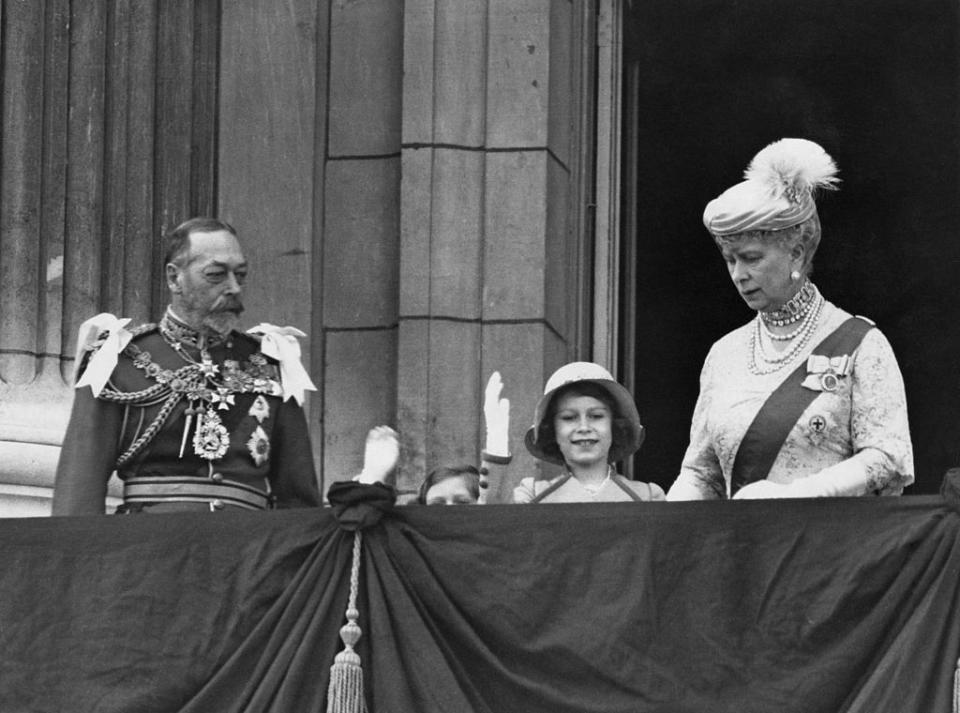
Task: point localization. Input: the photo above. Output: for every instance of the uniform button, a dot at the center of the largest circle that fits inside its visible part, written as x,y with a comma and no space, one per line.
216,477
217,504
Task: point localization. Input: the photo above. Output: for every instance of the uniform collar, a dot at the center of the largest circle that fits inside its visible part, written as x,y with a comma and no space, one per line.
176,331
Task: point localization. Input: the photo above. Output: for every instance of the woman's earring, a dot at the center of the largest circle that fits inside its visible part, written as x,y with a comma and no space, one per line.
795,275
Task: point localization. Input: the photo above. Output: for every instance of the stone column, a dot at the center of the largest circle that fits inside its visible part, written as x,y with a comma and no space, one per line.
107,142
361,223
492,250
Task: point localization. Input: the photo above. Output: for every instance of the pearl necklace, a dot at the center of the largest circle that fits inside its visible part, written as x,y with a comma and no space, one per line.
594,489
761,363
795,309
772,336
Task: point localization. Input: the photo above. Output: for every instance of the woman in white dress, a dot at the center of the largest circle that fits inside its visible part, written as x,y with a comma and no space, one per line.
804,400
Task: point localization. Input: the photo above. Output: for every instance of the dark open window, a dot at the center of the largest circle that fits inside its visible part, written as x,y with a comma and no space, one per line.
707,83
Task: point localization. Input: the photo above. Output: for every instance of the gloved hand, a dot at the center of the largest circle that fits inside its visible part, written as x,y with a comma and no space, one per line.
380,455
496,413
843,479
763,489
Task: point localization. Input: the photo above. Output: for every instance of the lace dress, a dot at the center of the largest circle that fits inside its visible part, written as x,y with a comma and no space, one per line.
857,434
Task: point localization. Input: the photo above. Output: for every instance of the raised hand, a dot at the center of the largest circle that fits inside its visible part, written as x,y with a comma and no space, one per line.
380,454
496,413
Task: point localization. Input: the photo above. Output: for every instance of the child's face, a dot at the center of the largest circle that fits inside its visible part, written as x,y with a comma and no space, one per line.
451,491
584,429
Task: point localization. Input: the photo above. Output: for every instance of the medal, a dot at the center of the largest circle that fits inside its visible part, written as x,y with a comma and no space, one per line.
818,424
260,408
211,439
259,446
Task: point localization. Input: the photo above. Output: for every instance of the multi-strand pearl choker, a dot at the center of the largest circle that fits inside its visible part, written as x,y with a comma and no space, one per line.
762,363
795,309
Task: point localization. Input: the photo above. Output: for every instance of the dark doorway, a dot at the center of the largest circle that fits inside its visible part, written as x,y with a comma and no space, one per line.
707,83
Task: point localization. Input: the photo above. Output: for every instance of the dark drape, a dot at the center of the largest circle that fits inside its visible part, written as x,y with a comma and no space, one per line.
826,605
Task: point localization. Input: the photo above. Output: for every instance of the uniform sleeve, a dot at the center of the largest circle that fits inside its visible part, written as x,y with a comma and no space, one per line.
496,480
882,460
292,475
87,456
701,477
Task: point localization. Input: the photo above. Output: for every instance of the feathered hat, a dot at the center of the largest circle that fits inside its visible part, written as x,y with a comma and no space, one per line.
778,191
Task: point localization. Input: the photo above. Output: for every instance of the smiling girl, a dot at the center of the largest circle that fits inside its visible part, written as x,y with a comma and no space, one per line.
585,421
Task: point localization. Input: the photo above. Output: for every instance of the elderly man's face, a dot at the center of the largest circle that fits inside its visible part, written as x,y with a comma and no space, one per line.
206,283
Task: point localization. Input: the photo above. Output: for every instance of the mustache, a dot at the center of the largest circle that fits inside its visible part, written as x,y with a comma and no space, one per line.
228,304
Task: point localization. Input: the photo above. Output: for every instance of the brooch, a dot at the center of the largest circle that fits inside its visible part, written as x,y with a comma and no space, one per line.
824,373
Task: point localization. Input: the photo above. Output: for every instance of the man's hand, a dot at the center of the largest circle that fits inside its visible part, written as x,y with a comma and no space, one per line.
380,455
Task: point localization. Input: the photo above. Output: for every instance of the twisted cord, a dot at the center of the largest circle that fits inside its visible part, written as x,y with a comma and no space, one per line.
355,571
157,392
142,329
152,394
345,692
151,430
956,689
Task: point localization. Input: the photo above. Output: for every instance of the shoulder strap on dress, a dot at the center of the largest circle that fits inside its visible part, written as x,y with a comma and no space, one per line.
625,487
762,442
553,486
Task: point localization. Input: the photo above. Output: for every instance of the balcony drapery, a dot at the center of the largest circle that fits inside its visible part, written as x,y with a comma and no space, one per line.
827,605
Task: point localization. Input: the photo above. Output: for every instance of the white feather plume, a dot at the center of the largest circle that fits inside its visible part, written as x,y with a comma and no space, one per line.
792,168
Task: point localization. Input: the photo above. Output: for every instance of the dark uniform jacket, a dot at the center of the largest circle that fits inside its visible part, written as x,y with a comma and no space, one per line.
172,410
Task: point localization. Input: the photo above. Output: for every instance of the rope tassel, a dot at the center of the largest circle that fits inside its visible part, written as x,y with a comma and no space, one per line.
345,694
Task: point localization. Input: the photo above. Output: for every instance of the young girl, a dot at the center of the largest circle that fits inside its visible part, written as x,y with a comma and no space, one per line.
585,421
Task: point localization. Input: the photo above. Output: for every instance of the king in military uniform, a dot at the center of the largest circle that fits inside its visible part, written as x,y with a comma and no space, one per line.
190,413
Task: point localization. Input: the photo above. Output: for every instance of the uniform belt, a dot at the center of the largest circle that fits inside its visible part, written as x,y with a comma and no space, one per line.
191,489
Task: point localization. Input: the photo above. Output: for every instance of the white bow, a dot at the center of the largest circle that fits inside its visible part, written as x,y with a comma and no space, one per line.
281,343
104,360
819,364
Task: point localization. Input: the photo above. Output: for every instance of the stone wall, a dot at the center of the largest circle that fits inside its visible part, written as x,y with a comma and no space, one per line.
410,182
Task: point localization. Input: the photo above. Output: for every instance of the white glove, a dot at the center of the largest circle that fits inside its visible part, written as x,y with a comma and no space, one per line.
762,490
380,455
496,413
843,479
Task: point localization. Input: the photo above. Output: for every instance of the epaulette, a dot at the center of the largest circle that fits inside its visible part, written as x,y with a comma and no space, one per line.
95,360
144,329
281,343
134,333
92,348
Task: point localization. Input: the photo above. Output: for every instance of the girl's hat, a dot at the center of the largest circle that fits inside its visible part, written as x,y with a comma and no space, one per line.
585,372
